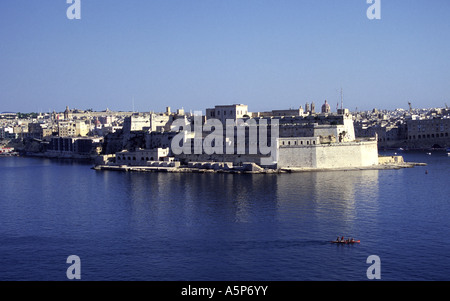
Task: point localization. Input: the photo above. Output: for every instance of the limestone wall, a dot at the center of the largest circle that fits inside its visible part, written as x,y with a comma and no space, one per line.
390,160
336,155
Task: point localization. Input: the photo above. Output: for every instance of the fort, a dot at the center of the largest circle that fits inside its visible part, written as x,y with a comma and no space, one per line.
268,142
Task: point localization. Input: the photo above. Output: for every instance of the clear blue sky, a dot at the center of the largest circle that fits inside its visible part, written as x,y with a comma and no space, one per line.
195,54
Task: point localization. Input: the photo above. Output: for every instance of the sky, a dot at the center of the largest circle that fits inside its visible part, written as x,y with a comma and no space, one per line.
145,55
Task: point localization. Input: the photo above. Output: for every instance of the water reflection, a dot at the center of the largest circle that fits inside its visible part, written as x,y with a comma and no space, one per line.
198,202
191,204
326,201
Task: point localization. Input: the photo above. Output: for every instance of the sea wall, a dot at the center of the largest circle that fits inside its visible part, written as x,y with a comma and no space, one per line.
390,160
333,155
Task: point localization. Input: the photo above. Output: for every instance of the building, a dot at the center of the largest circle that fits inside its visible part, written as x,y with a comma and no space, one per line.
302,141
309,153
224,112
67,114
39,130
136,122
329,127
74,146
428,133
281,113
141,157
75,128
326,108
147,122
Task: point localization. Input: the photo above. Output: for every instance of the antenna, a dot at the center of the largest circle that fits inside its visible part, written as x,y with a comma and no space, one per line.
133,103
342,99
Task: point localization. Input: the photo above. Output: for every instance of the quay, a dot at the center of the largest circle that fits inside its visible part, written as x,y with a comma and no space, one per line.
247,168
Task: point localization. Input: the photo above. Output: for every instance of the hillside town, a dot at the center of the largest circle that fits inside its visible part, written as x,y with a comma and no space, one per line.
305,138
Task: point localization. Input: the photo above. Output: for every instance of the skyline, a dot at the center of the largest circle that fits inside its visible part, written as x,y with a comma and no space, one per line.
196,54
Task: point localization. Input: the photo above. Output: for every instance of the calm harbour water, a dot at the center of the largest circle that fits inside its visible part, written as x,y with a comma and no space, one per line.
168,226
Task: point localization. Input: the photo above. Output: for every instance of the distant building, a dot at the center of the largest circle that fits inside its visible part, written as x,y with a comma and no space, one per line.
39,130
281,113
326,107
428,133
75,128
67,114
310,153
136,122
141,156
224,112
73,146
147,122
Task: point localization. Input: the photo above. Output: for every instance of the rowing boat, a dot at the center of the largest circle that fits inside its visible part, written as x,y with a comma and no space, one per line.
345,242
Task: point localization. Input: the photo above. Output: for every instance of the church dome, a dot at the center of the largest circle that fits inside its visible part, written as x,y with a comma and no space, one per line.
326,107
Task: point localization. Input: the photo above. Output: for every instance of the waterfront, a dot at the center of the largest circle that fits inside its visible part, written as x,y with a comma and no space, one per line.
170,226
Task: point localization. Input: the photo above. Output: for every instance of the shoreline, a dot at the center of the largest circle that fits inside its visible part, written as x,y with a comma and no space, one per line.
252,169
240,170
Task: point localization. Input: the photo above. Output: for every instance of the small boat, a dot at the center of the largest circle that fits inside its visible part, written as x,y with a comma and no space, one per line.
345,242
429,154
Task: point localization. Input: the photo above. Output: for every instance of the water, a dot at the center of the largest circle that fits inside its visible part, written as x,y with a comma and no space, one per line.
230,227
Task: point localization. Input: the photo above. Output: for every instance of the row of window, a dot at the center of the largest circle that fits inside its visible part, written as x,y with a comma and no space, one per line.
239,112
429,136
133,158
295,142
